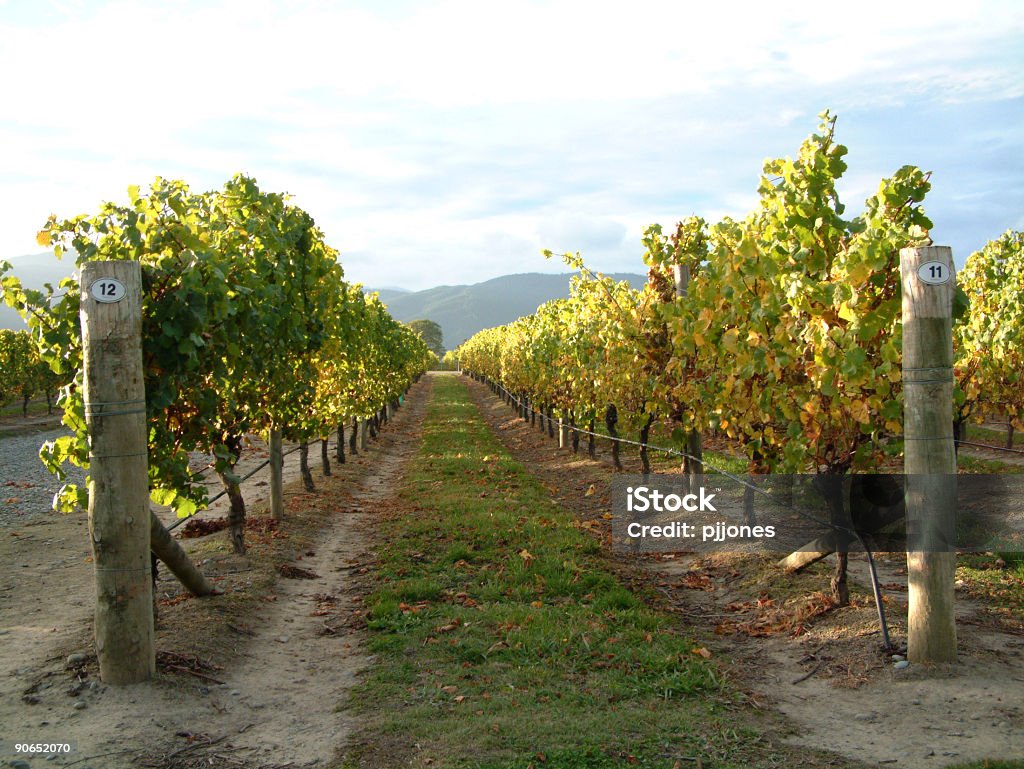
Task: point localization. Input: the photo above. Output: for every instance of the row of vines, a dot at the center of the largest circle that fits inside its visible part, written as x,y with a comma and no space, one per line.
25,374
248,326
781,331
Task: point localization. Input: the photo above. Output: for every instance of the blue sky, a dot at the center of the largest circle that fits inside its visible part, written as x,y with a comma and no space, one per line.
448,142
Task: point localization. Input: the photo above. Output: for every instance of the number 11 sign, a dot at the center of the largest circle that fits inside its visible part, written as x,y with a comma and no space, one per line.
934,273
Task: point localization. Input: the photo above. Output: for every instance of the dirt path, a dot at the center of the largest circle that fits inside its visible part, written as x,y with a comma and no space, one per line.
854,702
275,703
296,671
841,691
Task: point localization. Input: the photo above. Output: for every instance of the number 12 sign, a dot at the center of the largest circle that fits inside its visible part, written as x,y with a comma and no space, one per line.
934,273
107,290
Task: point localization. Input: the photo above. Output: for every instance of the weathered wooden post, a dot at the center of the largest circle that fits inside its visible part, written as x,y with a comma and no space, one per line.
693,464
276,475
167,549
929,455
119,516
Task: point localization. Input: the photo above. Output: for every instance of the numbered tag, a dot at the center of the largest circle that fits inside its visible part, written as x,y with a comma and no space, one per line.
934,273
107,290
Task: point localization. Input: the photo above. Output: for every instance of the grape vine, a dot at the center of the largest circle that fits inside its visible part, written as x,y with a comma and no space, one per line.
248,325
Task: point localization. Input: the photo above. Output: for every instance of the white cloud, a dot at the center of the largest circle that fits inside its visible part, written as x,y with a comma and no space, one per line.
455,135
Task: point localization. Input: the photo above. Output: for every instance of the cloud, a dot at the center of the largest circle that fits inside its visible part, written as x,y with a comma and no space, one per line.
433,141
575,232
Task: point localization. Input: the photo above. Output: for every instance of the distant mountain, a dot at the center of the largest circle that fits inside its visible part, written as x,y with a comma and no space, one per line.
34,270
387,295
461,311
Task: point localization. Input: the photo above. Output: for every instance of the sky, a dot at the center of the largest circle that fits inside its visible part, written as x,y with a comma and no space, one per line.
449,141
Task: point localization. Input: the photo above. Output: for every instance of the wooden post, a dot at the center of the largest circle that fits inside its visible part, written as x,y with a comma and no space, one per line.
693,465
563,433
814,551
929,456
167,549
119,515
276,475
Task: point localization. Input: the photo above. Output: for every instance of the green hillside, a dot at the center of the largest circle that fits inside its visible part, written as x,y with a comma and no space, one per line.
461,311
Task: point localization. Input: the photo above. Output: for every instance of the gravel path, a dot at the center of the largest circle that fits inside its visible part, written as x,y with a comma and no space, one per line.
26,486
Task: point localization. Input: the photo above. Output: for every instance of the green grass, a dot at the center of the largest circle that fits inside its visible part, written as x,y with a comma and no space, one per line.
972,465
36,408
1015,764
979,432
714,461
505,638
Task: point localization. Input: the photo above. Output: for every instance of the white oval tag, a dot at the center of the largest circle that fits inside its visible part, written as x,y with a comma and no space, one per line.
107,290
934,273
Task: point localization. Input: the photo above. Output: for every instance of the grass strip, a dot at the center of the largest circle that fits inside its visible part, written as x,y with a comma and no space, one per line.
505,639
975,432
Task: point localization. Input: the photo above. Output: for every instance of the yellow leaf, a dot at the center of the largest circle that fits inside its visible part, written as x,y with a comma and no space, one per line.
43,237
858,273
706,317
859,411
590,491
703,652
846,313
730,339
